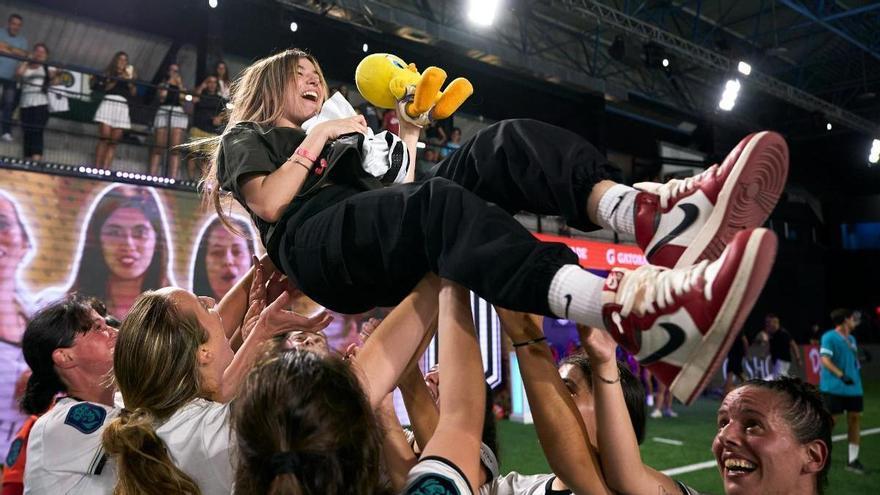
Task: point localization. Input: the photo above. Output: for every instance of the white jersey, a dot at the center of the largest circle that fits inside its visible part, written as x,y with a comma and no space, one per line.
437,476
64,453
198,438
521,484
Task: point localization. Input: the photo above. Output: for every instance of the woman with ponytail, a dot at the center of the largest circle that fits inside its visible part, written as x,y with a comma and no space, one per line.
175,370
69,348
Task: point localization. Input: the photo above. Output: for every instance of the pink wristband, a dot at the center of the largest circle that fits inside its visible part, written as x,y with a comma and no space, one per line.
305,153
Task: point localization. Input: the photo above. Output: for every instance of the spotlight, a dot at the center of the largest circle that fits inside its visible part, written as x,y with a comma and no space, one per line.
82,170
294,26
874,156
212,4
731,92
188,97
482,12
171,181
118,174
828,126
365,47
665,62
744,68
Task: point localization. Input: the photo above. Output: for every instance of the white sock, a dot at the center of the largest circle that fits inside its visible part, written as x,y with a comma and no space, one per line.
616,209
576,294
853,451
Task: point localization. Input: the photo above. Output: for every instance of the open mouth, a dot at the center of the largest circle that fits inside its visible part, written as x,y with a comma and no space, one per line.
228,277
310,95
127,261
739,467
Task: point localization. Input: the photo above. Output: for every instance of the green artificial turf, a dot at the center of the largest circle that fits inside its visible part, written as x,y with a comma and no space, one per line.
695,427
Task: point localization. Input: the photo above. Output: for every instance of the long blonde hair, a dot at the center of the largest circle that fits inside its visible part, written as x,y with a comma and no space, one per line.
157,371
256,96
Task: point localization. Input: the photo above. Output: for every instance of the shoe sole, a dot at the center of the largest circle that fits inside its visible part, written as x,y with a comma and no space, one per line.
749,195
752,274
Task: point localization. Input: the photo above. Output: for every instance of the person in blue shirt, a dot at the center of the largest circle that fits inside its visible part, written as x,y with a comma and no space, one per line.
12,44
840,381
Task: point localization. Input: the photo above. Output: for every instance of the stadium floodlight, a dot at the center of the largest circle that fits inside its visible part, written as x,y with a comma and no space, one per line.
665,62
744,68
829,126
874,156
365,47
188,97
212,4
294,26
482,12
728,97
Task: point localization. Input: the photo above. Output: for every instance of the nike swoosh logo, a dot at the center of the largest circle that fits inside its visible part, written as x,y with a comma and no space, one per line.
691,212
676,339
567,304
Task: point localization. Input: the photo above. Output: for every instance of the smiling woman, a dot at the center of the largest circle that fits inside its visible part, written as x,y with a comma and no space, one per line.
221,257
125,250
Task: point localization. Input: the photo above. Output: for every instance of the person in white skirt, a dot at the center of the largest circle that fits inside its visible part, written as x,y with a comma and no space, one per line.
35,79
170,120
221,70
112,115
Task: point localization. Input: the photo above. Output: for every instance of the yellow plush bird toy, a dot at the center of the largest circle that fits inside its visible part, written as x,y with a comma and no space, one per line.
384,80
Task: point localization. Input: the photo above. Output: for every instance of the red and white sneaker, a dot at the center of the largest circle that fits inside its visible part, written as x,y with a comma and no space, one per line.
682,222
680,322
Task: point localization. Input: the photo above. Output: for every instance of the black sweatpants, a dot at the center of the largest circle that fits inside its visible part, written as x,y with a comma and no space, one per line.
371,248
33,123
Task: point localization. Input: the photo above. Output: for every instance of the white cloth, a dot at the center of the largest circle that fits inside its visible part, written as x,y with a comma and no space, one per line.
64,457
11,417
58,101
518,484
436,475
171,115
377,148
198,438
113,111
32,87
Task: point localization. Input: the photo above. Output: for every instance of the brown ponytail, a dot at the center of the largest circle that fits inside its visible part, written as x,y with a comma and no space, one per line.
143,463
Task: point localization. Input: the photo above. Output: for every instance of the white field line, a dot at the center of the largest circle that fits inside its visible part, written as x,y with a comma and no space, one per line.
669,441
711,464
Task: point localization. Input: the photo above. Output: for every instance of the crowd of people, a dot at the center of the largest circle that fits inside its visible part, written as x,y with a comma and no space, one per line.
27,86
237,392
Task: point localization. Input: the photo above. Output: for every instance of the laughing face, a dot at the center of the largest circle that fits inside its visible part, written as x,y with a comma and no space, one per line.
305,93
128,242
13,240
755,448
228,257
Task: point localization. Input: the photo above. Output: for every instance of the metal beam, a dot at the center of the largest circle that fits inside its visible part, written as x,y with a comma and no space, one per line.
712,60
800,9
851,12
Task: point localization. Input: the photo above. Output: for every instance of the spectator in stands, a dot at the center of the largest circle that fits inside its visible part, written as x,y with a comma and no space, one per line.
170,122
208,109
221,71
390,122
222,257
35,77
117,85
840,380
734,369
782,347
15,309
435,134
453,143
12,44
125,251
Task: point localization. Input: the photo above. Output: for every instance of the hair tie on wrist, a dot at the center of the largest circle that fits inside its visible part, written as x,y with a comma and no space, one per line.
605,380
529,342
305,154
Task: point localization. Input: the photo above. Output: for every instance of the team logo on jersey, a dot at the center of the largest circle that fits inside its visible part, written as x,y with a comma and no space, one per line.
14,451
432,484
85,417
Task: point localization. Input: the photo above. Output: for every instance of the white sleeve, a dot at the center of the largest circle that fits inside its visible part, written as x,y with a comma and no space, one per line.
437,476
216,438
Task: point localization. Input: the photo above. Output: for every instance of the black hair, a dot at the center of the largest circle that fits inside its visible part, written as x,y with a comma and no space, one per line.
52,327
806,415
15,16
839,315
633,391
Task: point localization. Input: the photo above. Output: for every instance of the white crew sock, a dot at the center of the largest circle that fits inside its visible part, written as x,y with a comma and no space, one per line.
616,209
576,294
853,451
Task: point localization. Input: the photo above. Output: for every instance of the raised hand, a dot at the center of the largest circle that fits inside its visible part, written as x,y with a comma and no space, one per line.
332,129
600,347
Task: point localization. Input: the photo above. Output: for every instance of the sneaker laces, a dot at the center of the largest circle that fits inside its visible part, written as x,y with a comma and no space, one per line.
676,187
655,288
